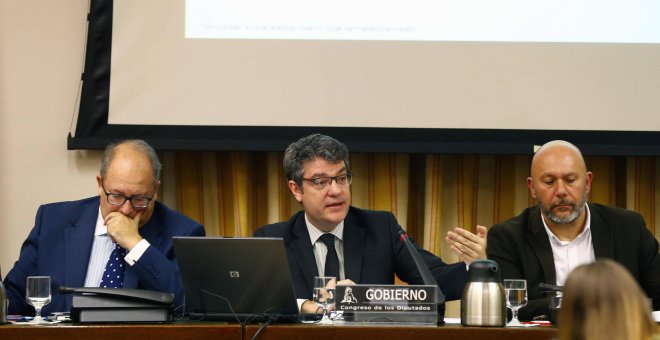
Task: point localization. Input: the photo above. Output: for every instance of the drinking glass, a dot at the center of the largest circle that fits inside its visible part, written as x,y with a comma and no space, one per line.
37,293
516,298
324,295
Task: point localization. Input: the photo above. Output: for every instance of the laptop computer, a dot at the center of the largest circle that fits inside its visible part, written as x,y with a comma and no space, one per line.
236,279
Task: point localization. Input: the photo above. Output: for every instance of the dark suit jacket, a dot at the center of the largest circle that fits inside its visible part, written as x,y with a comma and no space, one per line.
373,254
60,244
522,249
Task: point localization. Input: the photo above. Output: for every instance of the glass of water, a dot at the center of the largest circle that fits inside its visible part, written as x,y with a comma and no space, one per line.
516,298
37,294
324,295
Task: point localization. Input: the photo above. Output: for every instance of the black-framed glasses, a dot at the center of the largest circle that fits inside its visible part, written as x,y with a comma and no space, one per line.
322,182
136,201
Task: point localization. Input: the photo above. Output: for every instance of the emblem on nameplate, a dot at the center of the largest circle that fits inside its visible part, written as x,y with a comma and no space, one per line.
349,298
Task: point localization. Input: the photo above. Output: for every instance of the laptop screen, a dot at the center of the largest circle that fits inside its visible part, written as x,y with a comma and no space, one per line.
236,278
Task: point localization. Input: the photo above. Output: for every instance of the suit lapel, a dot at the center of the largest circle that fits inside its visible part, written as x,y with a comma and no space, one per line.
538,238
353,240
78,239
601,237
302,244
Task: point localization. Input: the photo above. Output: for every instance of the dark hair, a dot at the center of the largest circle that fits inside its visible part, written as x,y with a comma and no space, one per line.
136,144
310,147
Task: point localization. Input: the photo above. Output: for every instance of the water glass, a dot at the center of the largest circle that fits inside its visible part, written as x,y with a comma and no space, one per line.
516,298
37,294
324,295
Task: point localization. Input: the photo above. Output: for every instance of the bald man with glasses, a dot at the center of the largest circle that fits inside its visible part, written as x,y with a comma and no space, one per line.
329,237
121,238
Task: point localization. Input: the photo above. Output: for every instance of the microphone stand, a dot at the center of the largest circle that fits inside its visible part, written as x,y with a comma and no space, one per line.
427,277
555,301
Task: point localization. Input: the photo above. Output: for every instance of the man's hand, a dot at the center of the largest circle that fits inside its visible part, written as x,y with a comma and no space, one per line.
123,229
346,282
466,245
311,307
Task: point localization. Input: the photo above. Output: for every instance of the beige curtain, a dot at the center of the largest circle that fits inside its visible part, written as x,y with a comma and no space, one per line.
233,193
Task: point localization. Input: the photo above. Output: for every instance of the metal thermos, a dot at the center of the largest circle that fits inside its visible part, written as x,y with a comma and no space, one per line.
483,302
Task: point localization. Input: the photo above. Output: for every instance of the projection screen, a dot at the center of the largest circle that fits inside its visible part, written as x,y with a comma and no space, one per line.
411,76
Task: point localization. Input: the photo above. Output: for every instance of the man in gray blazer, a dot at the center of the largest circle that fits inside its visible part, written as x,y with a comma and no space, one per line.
545,243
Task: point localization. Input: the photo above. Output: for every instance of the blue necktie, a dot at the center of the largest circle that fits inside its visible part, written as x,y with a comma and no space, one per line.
113,275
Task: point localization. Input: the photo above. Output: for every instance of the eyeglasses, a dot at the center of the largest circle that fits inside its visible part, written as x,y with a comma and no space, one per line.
322,182
119,199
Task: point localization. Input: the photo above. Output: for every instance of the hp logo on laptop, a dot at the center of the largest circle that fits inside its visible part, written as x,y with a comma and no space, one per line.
234,274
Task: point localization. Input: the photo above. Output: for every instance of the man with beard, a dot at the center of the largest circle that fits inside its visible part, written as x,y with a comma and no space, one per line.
546,242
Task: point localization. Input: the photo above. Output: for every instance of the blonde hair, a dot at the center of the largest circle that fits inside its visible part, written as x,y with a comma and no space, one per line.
603,301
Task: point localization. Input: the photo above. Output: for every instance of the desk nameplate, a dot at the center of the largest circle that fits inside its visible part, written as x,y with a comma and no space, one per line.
387,303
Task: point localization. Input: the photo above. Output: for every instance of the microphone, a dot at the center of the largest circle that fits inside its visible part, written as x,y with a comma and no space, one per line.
67,290
427,277
546,287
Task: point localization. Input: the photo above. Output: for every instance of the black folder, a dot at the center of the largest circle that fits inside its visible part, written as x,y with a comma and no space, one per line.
114,305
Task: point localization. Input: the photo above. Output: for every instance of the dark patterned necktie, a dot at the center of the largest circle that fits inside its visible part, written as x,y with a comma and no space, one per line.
331,259
113,275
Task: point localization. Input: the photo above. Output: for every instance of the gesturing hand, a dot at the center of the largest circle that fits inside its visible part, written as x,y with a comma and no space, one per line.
466,245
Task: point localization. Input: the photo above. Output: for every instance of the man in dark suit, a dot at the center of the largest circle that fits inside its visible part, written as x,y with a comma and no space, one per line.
366,244
545,243
72,241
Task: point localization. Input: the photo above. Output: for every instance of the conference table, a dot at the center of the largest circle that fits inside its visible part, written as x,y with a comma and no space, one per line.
222,330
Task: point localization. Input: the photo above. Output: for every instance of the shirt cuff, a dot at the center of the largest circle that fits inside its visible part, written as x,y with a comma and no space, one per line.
137,251
300,303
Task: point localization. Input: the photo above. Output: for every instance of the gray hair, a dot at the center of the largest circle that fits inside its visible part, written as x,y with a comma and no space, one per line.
136,144
310,147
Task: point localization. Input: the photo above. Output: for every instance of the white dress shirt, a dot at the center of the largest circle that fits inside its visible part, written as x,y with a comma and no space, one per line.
102,247
320,249
568,255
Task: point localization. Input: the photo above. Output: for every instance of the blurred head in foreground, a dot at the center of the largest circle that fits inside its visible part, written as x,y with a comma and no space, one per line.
603,301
